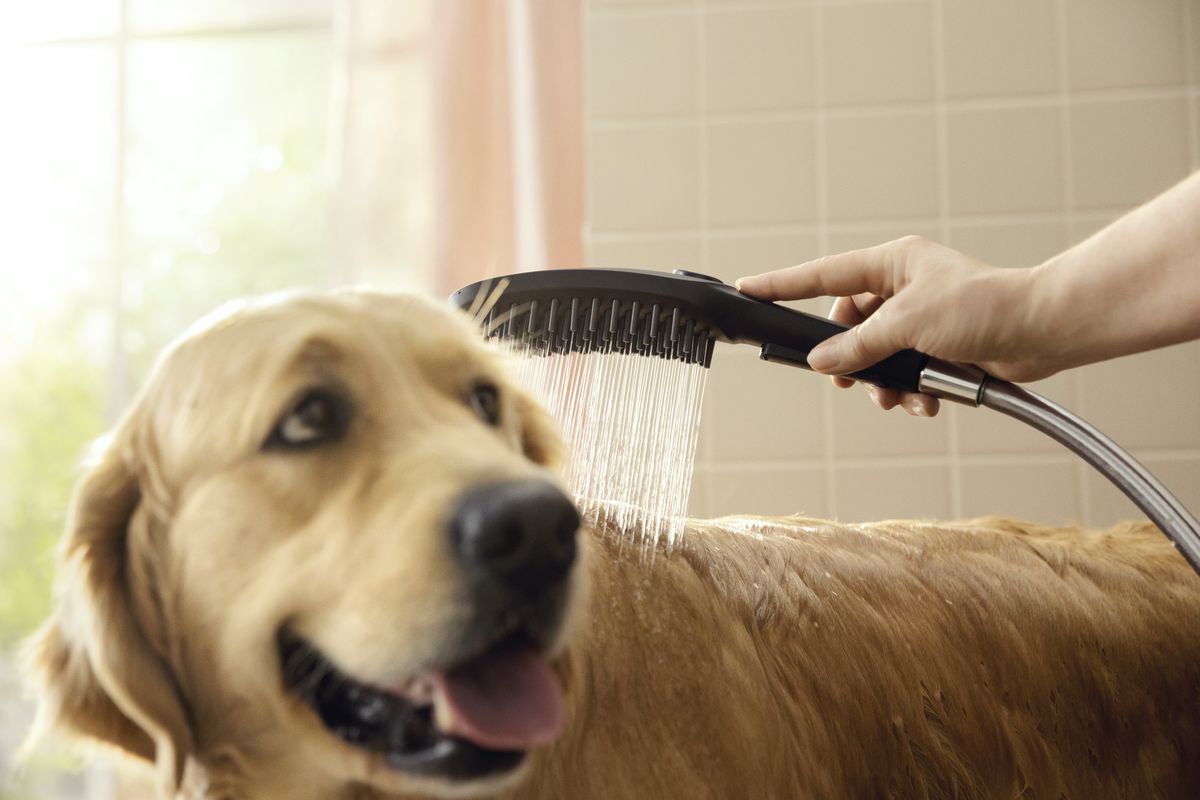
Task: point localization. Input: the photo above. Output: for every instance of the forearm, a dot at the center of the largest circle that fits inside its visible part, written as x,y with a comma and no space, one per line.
1133,286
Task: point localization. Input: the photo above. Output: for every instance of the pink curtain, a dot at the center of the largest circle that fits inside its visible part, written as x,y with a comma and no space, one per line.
507,137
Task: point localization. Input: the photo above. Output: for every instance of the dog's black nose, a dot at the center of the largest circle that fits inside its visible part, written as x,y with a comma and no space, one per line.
519,533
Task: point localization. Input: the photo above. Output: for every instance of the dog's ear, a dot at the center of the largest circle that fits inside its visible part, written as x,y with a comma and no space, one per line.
540,439
92,665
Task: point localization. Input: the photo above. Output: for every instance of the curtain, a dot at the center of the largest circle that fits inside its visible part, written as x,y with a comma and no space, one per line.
491,181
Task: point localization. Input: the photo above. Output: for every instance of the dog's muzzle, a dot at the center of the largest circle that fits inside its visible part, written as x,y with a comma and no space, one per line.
516,537
496,696
516,543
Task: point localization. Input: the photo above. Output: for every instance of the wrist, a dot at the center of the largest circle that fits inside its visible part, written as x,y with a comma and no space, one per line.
1051,316
1037,310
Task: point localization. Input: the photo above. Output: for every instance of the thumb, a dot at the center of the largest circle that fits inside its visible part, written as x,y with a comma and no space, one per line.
865,344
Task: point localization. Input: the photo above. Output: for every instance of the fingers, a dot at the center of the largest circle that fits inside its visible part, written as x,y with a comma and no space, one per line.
852,310
887,399
853,272
920,405
862,281
867,343
914,403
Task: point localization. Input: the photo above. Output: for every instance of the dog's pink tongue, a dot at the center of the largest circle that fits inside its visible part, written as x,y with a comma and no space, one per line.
509,699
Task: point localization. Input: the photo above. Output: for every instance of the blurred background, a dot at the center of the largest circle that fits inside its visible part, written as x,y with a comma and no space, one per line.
158,157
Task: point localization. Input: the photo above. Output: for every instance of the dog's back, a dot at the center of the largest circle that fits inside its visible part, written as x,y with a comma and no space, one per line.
801,658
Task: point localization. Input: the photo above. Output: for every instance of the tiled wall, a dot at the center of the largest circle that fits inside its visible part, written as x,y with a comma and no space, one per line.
735,136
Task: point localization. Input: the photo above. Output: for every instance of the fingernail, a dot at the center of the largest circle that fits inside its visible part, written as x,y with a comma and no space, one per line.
738,283
823,357
918,406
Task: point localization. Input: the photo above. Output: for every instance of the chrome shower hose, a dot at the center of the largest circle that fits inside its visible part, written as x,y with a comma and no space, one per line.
971,386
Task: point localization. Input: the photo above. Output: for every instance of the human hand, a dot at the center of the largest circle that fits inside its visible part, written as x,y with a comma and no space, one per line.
915,293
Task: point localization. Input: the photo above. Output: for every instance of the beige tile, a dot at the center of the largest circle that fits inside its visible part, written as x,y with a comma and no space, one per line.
1193,41
1044,493
704,447
1151,400
839,240
781,491
1108,506
877,52
865,494
734,255
982,431
1124,43
1000,48
757,59
1126,152
881,166
718,4
642,64
862,429
643,178
662,253
761,411
621,5
1007,160
1084,225
761,173
1196,117
698,500
1010,244
858,237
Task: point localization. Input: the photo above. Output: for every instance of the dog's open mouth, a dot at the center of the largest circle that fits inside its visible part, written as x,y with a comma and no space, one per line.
476,718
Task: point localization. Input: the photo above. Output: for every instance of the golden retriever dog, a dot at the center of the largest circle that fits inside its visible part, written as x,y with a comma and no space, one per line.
326,555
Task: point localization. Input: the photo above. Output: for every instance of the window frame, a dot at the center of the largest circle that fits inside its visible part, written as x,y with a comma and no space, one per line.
119,383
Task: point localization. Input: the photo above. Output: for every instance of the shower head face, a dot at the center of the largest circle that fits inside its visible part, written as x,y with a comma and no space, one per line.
677,315
599,310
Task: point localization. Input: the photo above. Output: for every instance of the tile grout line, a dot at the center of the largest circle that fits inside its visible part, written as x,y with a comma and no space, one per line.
1060,457
1191,63
821,175
941,136
900,108
700,120
1082,491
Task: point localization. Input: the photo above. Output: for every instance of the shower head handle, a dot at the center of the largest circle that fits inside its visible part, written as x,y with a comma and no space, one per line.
662,304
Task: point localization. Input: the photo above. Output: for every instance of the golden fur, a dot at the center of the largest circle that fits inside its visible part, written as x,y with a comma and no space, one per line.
762,658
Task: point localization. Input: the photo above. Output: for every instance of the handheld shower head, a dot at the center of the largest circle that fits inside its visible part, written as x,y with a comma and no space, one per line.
674,315
682,314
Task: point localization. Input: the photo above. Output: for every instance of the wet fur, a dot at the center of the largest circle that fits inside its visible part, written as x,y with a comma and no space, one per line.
762,658
805,658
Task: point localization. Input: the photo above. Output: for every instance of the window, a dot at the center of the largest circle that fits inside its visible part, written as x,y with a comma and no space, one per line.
157,157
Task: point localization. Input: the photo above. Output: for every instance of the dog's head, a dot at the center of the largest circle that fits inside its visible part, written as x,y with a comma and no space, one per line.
325,549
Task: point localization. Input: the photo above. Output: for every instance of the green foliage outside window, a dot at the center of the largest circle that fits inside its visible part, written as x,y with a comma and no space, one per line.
230,205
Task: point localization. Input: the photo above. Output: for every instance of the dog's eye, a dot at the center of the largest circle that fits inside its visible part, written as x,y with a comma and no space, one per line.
485,402
320,416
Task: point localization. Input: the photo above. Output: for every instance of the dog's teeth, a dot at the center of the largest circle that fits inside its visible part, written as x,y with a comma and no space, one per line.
421,690
443,716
